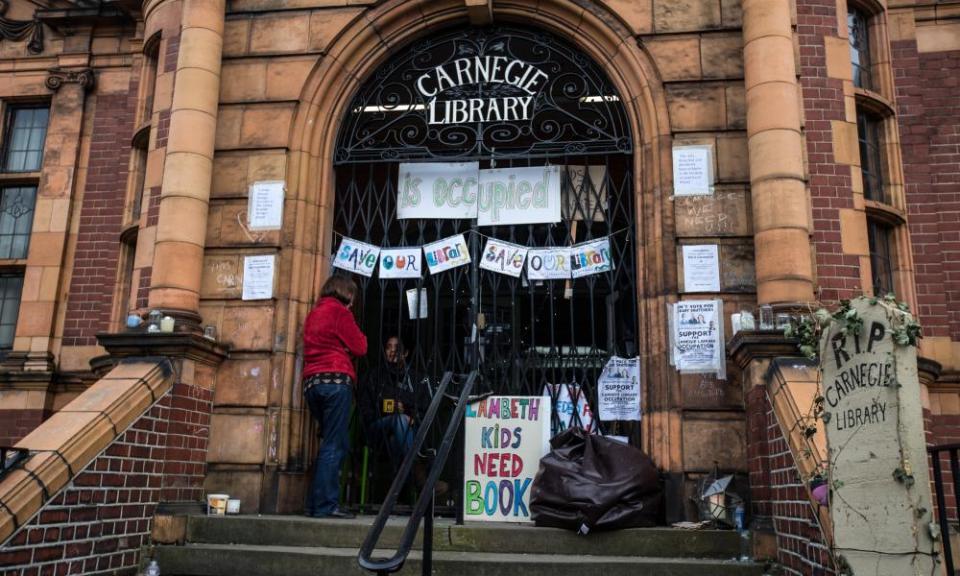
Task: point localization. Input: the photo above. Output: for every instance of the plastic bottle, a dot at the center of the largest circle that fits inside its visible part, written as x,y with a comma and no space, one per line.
153,569
739,520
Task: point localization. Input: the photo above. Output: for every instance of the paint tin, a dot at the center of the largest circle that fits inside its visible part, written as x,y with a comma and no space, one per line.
217,504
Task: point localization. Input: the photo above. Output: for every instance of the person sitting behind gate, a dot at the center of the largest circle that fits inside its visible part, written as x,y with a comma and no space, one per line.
331,342
391,403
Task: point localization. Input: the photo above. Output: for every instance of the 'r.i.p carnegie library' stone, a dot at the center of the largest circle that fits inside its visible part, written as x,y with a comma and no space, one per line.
881,524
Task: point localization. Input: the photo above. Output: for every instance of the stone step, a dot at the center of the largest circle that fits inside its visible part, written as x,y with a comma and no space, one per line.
251,560
292,531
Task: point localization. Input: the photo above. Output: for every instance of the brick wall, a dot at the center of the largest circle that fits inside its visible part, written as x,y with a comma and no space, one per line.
15,424
99,523
838,274
778,494
95,265
930,136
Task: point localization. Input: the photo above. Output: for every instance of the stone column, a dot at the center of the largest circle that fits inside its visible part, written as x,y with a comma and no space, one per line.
781,211
188,166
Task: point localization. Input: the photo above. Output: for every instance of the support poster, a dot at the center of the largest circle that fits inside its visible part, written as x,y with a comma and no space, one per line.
697,337
504,439
618,389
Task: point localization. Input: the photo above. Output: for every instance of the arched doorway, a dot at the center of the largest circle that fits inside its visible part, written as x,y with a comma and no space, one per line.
492,98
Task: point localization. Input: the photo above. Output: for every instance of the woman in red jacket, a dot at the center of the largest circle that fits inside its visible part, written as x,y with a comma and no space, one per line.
331,342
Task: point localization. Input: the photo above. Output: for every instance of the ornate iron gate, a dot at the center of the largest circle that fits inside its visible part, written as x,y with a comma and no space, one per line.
521,335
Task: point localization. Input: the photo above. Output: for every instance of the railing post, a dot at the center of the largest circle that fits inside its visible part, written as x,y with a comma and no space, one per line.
942,508
428,537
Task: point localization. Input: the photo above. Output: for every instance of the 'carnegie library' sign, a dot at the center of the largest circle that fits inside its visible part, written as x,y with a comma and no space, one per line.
525,78
880,502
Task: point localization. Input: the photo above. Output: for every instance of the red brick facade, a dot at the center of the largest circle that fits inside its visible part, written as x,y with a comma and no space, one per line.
929,116
95,266
778,494
15,424
103,519
838,274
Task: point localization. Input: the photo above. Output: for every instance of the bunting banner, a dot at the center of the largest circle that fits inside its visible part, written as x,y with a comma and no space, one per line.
356,256
447,253
548,263
590,258
503,257
401,262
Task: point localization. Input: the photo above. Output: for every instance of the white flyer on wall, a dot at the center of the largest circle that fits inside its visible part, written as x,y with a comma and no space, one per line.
503,257
439,190
447,253
265,205
258,277
692,170
618,389
356,256
697,337
701,268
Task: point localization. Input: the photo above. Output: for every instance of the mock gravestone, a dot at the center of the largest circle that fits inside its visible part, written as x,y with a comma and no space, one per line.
880,502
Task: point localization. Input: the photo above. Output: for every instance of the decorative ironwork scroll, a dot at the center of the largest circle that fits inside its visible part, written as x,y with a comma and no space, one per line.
21,29
478,93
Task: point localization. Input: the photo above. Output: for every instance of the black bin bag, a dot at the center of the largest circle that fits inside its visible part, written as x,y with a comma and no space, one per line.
588,483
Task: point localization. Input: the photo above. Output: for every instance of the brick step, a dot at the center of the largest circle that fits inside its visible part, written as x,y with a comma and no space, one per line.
251,560
293,531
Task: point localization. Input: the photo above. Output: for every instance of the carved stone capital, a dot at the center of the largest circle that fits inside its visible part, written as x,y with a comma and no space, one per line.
57,77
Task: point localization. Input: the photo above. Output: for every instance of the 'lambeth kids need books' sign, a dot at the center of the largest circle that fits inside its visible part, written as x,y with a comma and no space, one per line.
505,437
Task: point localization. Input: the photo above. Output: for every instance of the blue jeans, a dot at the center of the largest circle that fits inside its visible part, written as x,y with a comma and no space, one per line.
330,406
396,433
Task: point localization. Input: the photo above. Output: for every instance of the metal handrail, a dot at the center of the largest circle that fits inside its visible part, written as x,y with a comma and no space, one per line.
423,510
952,451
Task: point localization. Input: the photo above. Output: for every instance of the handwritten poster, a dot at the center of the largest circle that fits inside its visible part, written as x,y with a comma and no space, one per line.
505,437
564,397
548,263
519,196
618,389
503,257
258,277
439,190
590,258
698,337
701,268
585,193
401,262
356,256
265,205
692,170
446,254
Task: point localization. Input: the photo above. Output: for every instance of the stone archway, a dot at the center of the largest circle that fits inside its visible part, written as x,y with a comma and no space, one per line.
363,45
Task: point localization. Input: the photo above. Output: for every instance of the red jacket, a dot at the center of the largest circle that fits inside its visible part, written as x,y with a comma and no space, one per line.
331,339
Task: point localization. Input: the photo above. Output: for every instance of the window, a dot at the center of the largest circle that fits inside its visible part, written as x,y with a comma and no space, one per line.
857,24
869,130
879,236
11,283
16,220
26,132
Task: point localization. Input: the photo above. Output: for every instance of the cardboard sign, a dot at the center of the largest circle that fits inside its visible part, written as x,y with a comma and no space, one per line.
519,196
401,262
618,389
873,417
438,190
505,438
548,263
503,257
698,337
447,253
356,256
585,193
564,397
590,258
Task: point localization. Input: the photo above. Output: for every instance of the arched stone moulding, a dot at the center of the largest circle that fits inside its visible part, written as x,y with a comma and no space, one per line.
368,41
